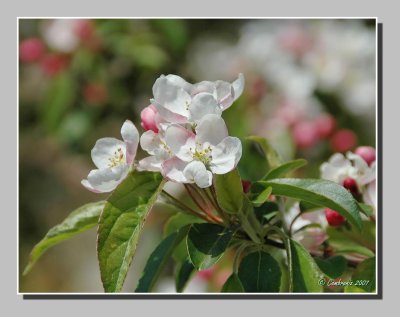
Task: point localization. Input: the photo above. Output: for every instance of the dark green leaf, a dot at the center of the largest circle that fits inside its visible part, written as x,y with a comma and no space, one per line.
259,272
266,211
320,192
207,243
284,169
333,267
120,225
306,274
262,197
308,207
232,285
78,221
158,259
271,155
363,278
186,270
229,191
367,210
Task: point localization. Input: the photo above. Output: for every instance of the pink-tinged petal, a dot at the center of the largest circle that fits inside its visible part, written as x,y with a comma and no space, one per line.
171,97
202,105
107,179
180,141
196,172
151,164
150,141
226,155
148,118
105,149
172,169
166,115
131,137
211,129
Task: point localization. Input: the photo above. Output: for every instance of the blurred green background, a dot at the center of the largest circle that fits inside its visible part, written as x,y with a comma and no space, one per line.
310,89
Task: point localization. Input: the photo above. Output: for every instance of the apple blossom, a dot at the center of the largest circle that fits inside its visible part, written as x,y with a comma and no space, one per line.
113,159
181,102
198,155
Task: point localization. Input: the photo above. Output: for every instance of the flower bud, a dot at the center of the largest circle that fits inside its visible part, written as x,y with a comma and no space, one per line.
333,217
305,134
246,186
325,125
343,140
31,50
367,153
148,117
53,64
351,185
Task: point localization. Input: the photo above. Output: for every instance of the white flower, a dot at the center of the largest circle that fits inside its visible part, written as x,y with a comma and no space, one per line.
181,102
369,194
198,155
154,144
339,167
60,35
113,159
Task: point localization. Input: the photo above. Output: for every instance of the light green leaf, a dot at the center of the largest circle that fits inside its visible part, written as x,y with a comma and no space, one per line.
332,267
306,274
284,169
207,243
120,225
271,155
185,272
229,191
232,285
78,221
262,197
320,192
363,278
367,210
259,272
158,259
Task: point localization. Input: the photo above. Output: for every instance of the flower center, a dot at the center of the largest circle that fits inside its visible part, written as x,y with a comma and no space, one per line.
202,153
117,159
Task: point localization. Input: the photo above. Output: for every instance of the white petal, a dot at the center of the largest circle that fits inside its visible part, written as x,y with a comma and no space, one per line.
180,141
150,141
131,137
107,179
211,129
150,163
105,149
180,82
197,173
225,94
226,155
202,105
204,86
171,97
173,168
238,86
168,115
336,169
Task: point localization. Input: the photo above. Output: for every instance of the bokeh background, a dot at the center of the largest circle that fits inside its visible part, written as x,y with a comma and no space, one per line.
310,89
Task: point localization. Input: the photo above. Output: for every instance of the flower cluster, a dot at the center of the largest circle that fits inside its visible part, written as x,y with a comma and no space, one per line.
185,136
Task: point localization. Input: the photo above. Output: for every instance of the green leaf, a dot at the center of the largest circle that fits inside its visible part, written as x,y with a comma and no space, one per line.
271,155
78,221
229,191
120,225
332,267
262,197
363,278
232,285
266,211
259,272
185,272
320,192
158,259
308,207
367,210
306,274
174,223
207,243
284,169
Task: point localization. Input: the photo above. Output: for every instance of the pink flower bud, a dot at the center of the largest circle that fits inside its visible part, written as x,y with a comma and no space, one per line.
325,125
305,134
333,217
31,50
148,117
206,274
246,186
367,153
53,64
351,185
343,140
